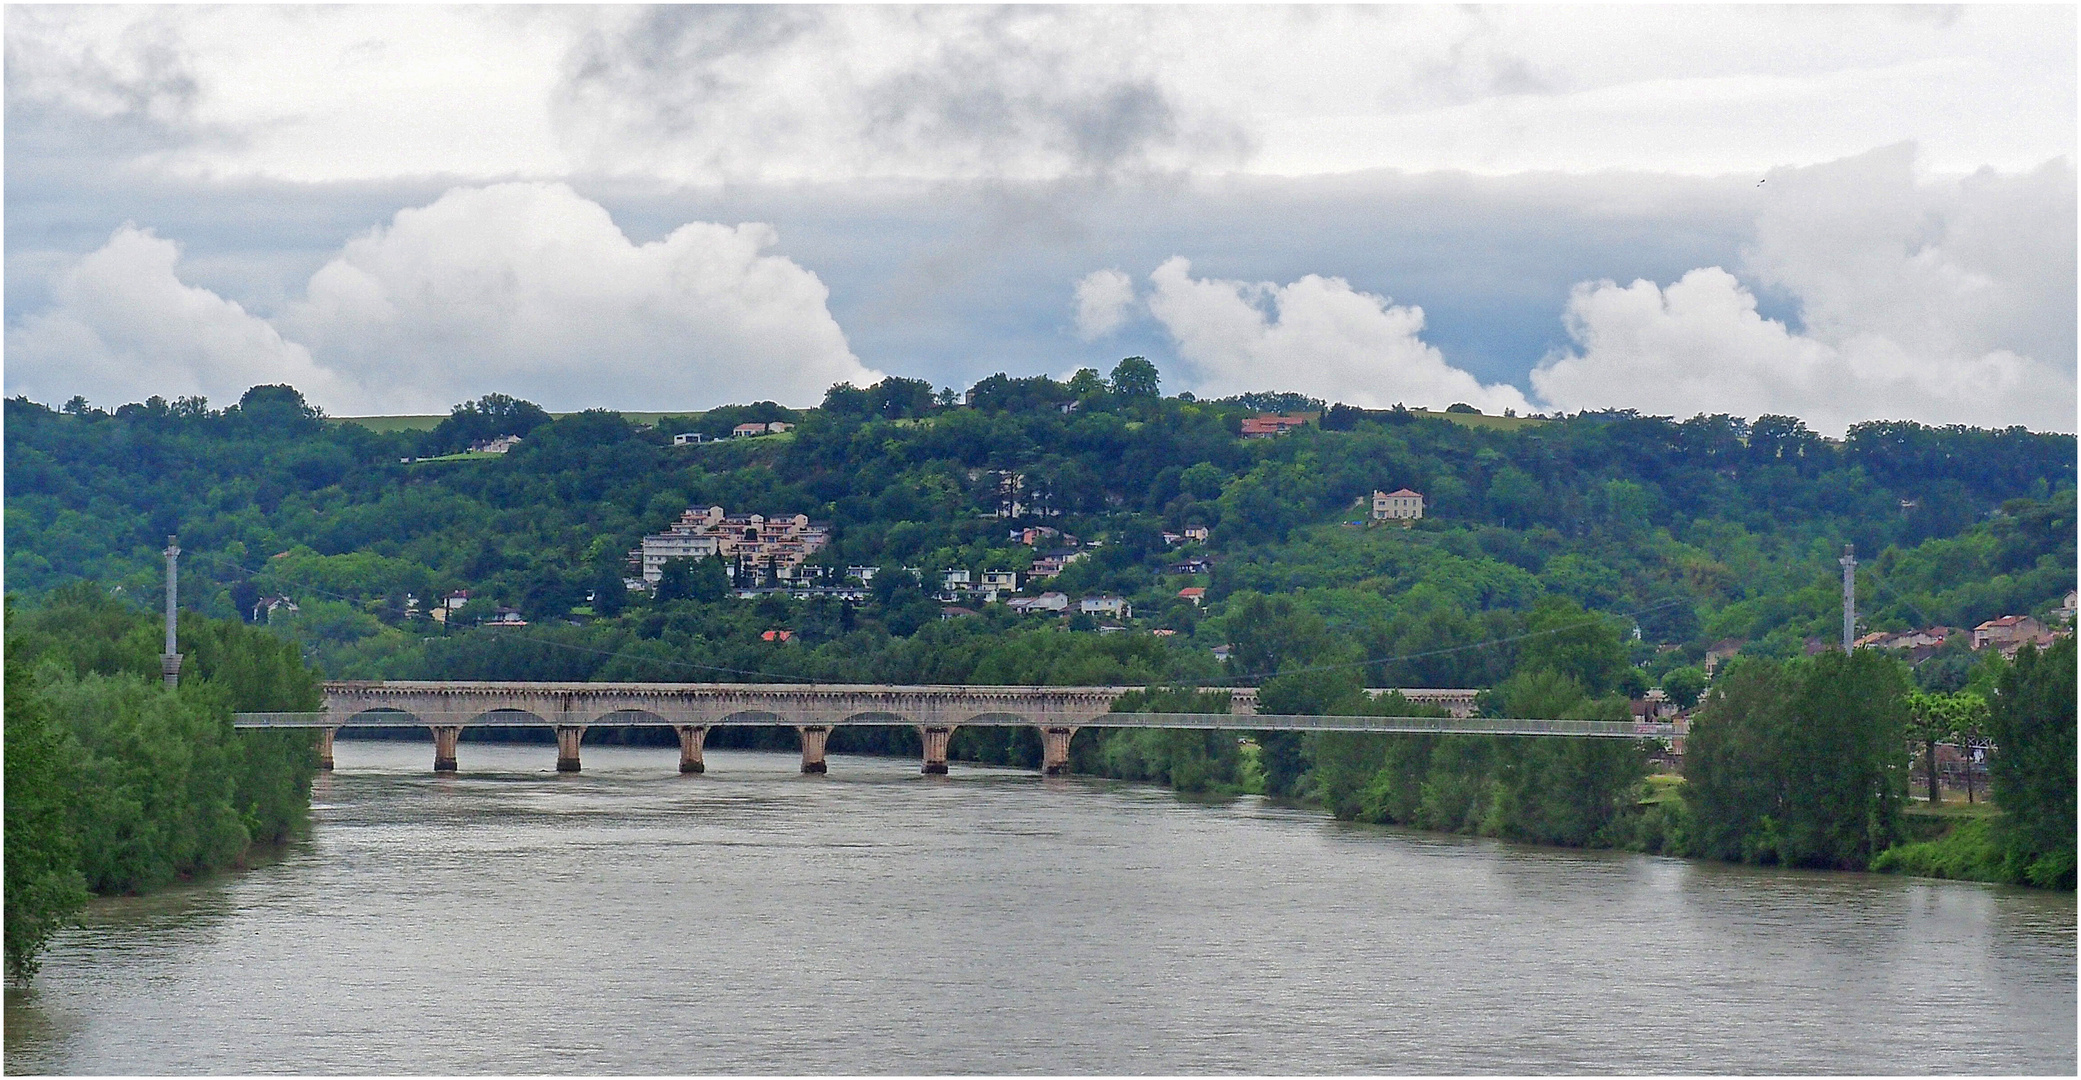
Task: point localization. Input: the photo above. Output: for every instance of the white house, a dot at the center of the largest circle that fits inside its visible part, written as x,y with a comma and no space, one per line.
1112,606
1047,601
1399,505
687,439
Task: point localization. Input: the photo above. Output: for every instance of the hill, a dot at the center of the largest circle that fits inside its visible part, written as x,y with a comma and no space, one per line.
1687,532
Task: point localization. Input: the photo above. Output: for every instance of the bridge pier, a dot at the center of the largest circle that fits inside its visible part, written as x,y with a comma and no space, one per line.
325,735
691,736
813,737
568,736
1055,750
936,739
445,738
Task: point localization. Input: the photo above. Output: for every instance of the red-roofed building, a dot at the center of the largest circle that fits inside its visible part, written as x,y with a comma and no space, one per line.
2010,632
1266,425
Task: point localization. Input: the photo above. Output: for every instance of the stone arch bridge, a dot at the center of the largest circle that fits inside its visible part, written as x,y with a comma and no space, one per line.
814,709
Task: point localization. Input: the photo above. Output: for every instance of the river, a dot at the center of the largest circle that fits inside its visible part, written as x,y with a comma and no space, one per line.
631,920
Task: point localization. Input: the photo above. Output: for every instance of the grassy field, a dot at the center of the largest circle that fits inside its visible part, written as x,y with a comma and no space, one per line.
1477,420
466,455
394,423
428,423
1662,787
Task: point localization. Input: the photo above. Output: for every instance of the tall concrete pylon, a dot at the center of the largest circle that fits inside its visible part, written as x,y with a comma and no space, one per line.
170,661
1849,564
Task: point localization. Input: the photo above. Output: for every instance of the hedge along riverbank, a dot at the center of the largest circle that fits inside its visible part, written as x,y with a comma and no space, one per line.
116,784
1797,763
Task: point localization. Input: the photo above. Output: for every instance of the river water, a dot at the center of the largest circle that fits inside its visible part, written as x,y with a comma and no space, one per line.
631,920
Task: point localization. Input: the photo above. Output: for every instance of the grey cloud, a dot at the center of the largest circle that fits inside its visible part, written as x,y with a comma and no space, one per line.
143,74
995,88
673,59
982,90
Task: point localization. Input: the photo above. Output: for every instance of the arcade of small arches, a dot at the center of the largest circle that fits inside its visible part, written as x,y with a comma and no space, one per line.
692,709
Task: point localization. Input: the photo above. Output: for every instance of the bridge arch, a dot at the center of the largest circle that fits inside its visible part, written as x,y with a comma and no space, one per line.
887,717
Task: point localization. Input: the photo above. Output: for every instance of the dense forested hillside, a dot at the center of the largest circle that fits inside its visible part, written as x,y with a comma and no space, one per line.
1691,532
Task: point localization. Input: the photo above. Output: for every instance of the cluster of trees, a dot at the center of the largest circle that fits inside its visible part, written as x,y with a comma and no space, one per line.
1691,532
116,784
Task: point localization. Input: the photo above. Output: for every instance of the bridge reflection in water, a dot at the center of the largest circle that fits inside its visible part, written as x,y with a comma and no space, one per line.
813,710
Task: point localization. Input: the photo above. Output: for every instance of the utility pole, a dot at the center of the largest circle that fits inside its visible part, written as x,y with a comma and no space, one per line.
1849,563
170,661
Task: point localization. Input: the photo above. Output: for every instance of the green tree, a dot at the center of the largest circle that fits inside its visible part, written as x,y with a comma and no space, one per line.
1684,685
2032,724
1187,760
1734,763
1135,377
1800,763
1846,765
1563,637
1929,723
43,882
675,580
610,596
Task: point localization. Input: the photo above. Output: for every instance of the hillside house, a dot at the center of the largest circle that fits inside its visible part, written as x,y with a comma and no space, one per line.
1194,593
1045,602
1270,425
1401,505
500,445
1112,607
996,584
264,610
688,438
2010,633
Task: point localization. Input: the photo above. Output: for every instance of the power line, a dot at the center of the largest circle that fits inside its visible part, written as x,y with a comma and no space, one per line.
1225,680
1594,620
683,664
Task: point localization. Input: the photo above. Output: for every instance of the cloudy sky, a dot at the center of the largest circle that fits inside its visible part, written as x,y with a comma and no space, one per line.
1842,213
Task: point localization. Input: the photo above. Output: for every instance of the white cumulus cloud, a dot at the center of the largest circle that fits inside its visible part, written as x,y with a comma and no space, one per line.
1103,297
1317,335
523,288
1943,302
531,289
124,327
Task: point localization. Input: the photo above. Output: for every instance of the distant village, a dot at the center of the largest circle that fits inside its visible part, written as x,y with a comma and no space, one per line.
763,556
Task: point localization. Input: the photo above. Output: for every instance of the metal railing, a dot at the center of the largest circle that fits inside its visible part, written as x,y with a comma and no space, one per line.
1395,725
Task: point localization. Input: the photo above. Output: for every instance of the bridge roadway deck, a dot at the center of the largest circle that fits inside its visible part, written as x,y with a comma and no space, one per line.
1404,725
